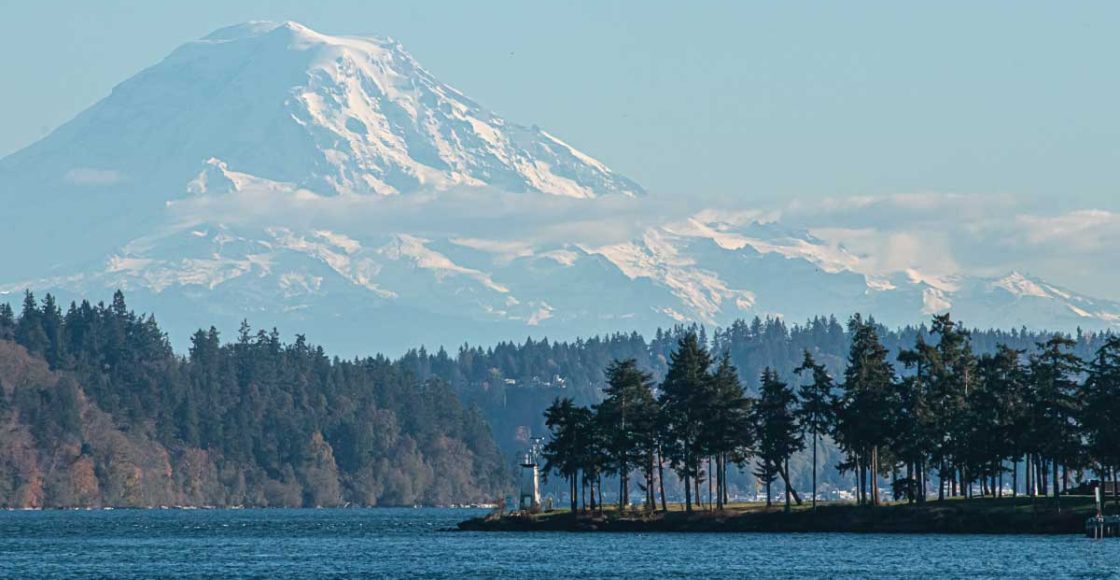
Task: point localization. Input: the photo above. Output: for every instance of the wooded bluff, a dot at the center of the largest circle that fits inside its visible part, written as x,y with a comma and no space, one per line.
96,410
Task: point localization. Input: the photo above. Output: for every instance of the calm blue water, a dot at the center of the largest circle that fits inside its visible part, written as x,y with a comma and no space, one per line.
413,543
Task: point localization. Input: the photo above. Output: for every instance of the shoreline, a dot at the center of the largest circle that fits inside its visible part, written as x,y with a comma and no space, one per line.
474,507
1003,516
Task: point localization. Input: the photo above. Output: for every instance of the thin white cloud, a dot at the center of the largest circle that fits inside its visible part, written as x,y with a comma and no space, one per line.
948,235
934,235
1084,230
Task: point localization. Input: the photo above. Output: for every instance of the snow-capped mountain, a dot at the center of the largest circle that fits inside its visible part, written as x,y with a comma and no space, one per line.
335,115
332,186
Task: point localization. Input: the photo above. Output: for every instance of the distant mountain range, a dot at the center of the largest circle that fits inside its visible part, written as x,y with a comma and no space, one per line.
331,185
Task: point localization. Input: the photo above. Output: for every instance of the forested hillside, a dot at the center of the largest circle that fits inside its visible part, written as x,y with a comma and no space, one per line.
96,410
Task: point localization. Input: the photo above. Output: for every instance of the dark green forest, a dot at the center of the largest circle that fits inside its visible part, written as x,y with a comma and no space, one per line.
99,410
1044,418
514,382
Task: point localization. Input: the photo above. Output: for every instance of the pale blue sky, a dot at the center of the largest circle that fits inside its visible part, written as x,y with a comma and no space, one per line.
734,100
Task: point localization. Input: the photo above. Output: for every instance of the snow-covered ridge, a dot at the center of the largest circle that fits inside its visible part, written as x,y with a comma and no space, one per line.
1020,285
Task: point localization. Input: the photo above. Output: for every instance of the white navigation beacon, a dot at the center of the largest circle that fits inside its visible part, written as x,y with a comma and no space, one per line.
530,498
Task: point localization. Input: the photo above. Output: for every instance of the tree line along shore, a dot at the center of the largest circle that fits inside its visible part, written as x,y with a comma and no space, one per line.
938,421
99,411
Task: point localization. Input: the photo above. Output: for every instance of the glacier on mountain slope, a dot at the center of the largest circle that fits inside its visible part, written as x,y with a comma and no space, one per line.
349,116
331,185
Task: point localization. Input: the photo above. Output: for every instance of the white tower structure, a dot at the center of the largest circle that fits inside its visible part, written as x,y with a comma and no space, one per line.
530,499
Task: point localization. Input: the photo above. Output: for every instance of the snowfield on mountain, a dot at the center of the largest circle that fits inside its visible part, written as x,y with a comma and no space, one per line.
333,185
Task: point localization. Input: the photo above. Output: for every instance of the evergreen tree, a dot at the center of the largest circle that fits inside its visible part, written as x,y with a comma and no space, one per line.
50,319
626,418
29,328
952,376
994,415
7,322
914,431
728,430
563,453
1102,410
777,432
864,408
1056,401
686,397
817,404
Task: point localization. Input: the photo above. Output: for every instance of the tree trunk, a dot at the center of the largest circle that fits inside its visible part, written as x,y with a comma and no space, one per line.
1015,477
687,485
1033,471
574,494
875,475
941,482
621,494
1057,483
814,470
920,476
910,476
1028,468
1040,477
790,490
719,482
894,477
583,492
696,488
726,491
599,480
769,480
661,479
723,493
785,477
709,483
859,481
697,497
862,483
